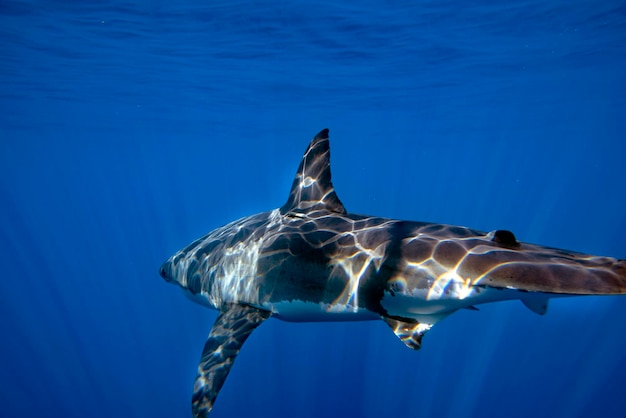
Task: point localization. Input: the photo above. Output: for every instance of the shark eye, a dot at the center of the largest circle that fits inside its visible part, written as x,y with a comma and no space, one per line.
504,237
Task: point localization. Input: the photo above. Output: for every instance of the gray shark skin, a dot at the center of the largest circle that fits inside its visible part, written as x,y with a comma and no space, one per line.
311,260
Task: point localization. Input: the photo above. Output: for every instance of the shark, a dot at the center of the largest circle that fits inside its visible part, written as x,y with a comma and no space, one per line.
312,260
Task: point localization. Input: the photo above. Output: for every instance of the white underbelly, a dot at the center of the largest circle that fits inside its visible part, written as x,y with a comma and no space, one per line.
423,308
301,311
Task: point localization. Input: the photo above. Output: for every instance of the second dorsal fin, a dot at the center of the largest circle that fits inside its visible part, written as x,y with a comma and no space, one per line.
312,188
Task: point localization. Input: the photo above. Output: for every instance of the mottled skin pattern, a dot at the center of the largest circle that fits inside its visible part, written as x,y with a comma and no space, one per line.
231,329
310,260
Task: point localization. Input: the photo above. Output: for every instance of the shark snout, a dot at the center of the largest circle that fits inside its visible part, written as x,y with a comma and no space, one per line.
165,271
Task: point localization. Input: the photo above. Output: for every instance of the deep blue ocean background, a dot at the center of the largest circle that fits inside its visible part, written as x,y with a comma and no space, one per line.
128,129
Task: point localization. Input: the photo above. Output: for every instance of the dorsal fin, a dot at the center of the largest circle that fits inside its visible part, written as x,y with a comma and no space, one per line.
505,238
312,188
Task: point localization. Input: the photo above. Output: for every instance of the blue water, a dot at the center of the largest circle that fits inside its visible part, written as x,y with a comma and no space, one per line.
128,129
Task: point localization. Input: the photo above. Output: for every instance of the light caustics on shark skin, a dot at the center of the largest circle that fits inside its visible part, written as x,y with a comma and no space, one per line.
311,260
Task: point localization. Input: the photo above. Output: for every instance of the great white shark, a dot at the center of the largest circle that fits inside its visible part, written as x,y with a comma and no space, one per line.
311,260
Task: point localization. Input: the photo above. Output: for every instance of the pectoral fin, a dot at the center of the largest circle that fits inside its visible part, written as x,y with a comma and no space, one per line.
231,329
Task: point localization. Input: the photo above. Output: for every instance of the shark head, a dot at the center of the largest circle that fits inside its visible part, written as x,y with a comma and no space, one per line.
184,270
221,267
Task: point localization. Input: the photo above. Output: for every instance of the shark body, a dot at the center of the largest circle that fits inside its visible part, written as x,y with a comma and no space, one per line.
311,260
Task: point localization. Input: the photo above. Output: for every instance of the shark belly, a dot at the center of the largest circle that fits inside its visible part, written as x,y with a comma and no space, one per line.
303,311
421,307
